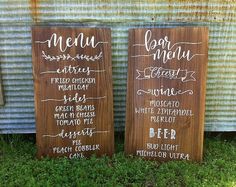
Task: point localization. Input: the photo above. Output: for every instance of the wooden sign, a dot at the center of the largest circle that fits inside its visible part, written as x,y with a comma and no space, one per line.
73,91
166,93
1,94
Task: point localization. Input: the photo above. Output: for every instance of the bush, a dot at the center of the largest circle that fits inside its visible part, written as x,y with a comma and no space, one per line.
19,167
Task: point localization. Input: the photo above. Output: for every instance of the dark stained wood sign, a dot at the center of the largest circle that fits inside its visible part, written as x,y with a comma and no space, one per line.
73,91
1,94
166,93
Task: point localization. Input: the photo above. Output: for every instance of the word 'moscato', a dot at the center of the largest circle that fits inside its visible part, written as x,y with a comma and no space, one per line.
73,91
166,93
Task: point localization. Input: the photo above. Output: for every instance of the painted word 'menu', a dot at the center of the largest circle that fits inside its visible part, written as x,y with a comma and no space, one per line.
162,49
68,42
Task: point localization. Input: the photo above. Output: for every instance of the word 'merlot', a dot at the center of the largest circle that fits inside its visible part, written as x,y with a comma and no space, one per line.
68,42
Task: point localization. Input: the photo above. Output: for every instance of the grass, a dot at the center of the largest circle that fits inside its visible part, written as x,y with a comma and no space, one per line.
19,167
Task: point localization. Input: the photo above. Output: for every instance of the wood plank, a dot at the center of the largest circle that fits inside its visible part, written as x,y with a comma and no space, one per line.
166,93
1,94
73,91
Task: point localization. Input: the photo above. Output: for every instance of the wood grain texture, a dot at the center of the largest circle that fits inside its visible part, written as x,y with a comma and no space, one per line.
166,93
1,94
73,91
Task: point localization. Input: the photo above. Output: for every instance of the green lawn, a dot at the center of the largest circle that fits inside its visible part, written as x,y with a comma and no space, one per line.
19,167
